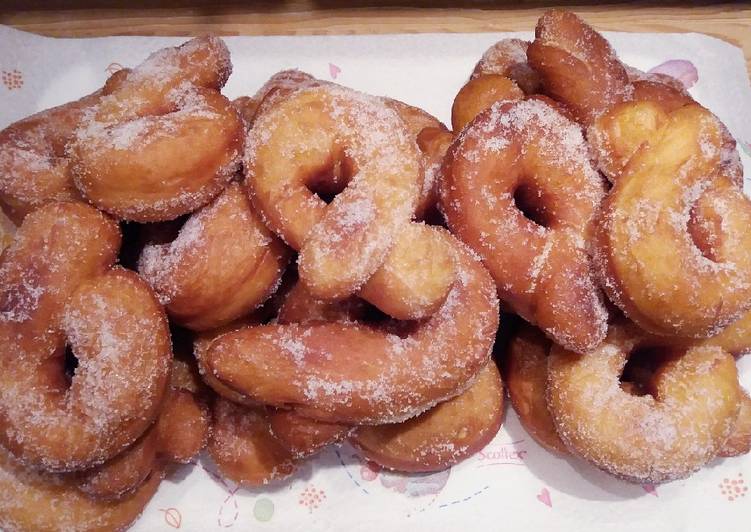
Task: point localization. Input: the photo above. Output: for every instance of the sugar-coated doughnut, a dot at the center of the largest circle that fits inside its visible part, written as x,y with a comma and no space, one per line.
243,447
445,435
356,373
50,503
645,233
508,58
526,377
665,435
293,147
740,439
34,165
223,264
302,436
57,288
577,65
519,189
478,94
165,142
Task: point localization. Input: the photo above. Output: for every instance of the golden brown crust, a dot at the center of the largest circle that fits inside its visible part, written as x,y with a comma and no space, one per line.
478,94
443,436
526,375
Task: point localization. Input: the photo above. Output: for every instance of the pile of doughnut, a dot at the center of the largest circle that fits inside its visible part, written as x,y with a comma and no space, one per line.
262,278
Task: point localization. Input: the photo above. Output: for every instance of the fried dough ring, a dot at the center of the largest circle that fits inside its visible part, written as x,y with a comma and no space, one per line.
351,373
34,167
223,264
443,436
577,65
57,286
48,503
526,376
508,58
165,142
302,436
650,438
739,442
649,206
478,94
294,144
527,153
243,447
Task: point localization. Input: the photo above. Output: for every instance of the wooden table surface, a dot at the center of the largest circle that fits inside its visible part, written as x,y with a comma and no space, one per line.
78,18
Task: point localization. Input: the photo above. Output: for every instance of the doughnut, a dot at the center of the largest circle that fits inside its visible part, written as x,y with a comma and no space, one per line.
178,435
444,435
58,288
358,373
508,58
526,377
223,264
740,439
645,233
120,476
433,142
664,435
46,502
577,65
293,147
478,94
165,142
735,338
518,188
34,166
7,231
299,306
303,437
416,120
243,447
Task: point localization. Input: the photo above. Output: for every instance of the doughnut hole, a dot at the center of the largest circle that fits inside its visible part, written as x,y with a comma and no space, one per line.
531,201
331,178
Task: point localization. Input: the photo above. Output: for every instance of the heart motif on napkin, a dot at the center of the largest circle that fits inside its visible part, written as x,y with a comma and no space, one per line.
544,497
334,70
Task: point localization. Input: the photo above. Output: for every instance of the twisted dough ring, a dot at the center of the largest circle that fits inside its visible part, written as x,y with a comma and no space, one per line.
165,142
57,285
353,373
650,205
649,438
526,155
223,264
363,239
34,166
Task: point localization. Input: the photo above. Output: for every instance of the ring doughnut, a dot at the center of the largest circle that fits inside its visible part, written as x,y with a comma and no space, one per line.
657,437
223,264
302,436
480,93
740,440
57,286
165,142
243,448
636,268
359,227
34,165
518,188
577,65
45,502
526,376
508,58
444,435
353,373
